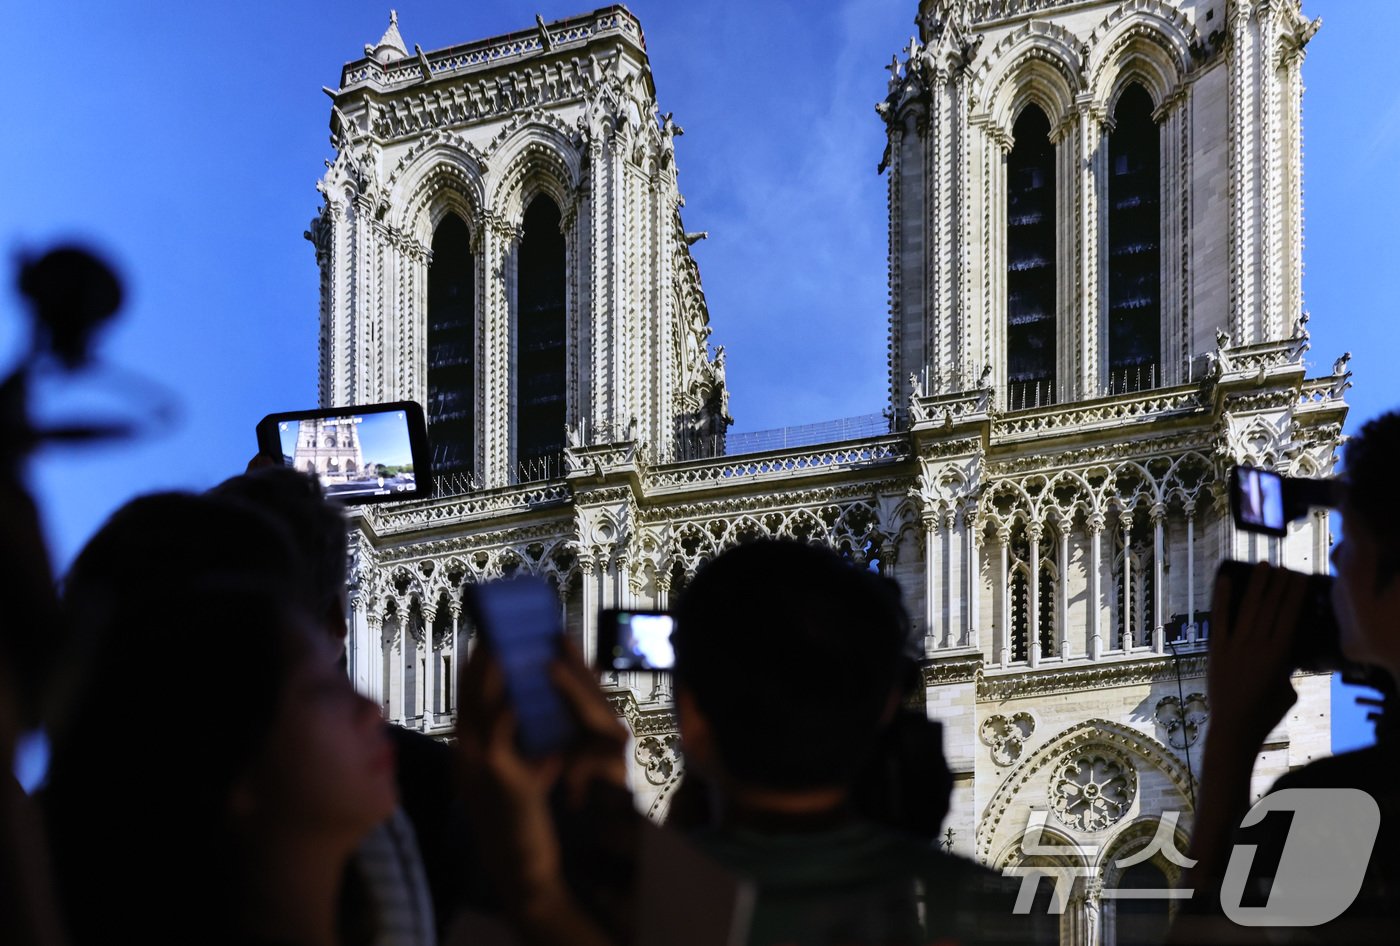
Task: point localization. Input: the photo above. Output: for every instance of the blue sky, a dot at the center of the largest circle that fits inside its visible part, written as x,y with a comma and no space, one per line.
186,140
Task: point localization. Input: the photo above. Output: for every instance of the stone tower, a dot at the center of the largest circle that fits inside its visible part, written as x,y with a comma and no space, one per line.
1095,312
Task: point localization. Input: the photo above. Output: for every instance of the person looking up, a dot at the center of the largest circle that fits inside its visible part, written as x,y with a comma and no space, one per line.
213,771
1250,693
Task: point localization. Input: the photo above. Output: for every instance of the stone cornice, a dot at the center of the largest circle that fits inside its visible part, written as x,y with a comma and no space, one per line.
997,686
643,721
948,670
571,35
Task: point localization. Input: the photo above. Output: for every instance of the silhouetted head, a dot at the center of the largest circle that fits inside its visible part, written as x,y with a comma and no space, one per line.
789,660
316,526
1366,593
156,545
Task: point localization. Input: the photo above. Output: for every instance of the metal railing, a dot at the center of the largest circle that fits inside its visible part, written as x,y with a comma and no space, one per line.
1023,395
1134,378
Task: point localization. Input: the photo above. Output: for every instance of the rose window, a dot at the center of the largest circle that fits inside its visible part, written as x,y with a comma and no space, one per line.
1091,792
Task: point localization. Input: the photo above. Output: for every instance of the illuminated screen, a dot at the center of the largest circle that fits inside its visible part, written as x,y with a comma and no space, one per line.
644,642
355,456
1261,498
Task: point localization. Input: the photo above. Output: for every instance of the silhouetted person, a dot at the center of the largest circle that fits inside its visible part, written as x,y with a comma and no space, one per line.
819,645
1249,692
213,771
413,863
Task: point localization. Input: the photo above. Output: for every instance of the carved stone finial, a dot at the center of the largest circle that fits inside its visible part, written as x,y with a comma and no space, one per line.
1340,365
391,45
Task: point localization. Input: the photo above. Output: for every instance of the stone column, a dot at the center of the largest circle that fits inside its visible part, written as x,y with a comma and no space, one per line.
590,605
1033,533
397,710
944,579
931,642
500,238
357,645
1190,511
1125,526
972,527
1062,602
374,657
1159,587
1004,582
1090,164
1096,598
432,678
450,688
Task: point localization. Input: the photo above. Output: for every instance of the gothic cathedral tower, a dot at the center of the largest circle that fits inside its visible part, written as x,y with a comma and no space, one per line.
1095,268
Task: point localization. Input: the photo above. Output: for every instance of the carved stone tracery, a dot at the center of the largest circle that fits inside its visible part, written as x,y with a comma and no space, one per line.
1091,791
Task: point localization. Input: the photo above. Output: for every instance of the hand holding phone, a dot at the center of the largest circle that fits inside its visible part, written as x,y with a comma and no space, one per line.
520,622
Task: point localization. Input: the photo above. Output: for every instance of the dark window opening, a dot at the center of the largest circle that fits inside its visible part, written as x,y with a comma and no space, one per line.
451,346
1030,263
1134,246
1142,921
540,326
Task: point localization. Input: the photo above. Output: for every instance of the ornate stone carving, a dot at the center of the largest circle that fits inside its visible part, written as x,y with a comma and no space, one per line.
660,757
1091,791
1007,736
1182,720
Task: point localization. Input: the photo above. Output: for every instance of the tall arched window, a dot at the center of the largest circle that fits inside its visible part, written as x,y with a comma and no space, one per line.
451,347
540,366
1030,263
1141,921
1134,245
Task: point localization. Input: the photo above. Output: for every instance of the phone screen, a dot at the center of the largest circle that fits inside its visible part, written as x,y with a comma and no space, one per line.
520,617
636,640
1258,500
359,456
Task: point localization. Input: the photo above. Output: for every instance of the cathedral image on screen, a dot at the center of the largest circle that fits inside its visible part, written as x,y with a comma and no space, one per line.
330,449
1095,285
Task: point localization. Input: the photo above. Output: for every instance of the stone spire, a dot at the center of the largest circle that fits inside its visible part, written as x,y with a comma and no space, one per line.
390,46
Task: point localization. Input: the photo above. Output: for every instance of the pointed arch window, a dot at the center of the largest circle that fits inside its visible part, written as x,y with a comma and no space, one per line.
451,349
1141,919
540,379
1134,584
1134,245
1030,262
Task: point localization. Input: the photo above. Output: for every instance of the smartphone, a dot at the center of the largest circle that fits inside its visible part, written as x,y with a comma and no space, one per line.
519,619
1263,501
635,640
371,454
1256,500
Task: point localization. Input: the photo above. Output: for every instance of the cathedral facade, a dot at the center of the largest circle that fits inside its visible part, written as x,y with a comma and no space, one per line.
1095,226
